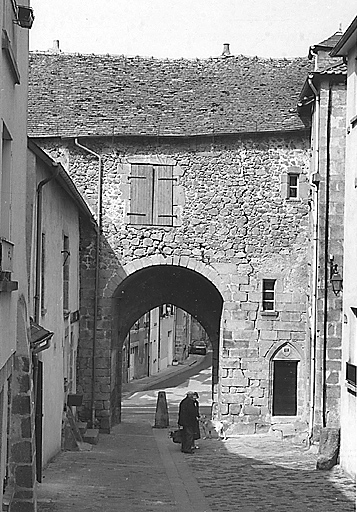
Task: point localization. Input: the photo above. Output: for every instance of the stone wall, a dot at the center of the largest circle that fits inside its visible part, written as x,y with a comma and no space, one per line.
331,227
234,219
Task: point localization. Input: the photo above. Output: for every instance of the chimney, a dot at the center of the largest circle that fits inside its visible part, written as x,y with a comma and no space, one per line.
226,52
56,47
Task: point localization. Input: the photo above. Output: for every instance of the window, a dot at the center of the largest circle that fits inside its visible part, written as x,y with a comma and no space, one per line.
268,294
285,388
351,381
43,270
293,183
151,195
65,254
9,43
5,184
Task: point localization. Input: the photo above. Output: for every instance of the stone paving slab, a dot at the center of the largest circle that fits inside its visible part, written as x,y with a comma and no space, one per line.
263,474
123,472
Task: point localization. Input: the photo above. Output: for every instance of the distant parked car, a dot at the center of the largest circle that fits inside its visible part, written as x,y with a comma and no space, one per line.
198,347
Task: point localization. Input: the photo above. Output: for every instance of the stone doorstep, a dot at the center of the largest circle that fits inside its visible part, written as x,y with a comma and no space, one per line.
91,436
84,447
82,427
7,497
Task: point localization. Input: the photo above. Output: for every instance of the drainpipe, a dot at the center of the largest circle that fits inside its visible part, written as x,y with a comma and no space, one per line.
96,279
315,259
39,242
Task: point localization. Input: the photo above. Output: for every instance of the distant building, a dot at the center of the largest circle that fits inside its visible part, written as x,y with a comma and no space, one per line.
157,340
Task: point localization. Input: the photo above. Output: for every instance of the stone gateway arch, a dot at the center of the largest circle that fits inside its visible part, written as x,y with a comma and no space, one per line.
183,286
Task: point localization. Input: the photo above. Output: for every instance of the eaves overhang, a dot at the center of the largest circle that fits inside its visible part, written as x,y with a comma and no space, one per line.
333,74
347,41
63,179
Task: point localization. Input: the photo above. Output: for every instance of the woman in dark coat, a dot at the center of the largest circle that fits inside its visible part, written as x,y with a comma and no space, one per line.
197,434
188,420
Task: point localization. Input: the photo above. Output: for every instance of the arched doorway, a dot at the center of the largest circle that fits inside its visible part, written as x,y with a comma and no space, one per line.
152,286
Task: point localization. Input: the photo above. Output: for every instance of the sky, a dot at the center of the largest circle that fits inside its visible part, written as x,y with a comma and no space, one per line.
188,28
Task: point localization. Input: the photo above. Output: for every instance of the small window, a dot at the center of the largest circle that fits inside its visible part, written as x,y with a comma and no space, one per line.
9,37
43,271
5,183
268,294
66,254
151,195
293,185
285,388
351,381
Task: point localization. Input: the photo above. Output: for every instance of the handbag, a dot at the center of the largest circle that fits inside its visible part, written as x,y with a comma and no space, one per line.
176,436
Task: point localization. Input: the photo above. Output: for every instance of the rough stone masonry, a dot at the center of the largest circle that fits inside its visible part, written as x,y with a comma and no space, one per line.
233,217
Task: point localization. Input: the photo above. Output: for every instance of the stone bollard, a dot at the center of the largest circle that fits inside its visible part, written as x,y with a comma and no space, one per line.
329,448
162,414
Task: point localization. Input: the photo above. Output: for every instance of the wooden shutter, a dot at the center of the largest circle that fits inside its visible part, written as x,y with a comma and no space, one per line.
163,196
141,194
304,188
284,187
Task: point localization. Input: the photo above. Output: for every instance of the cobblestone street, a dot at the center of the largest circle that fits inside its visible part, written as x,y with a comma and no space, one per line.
137,468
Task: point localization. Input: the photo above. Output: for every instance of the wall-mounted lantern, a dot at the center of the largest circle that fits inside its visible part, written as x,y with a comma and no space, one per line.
335,277
25,16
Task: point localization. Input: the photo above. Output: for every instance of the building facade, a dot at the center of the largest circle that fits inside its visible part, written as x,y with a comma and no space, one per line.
346,48
17,446
55,211
201,206
323,101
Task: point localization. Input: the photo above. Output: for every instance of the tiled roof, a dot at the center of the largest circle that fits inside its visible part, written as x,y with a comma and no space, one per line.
86,95
340,68
331,41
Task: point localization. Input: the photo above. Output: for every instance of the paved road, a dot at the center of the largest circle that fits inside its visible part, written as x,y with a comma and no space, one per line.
138,469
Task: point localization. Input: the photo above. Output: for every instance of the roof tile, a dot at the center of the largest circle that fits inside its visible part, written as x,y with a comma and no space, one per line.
86,95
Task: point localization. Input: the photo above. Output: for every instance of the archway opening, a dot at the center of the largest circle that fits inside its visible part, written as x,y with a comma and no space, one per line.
157,286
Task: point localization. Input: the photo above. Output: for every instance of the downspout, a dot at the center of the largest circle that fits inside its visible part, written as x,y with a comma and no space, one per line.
315,259
39,242
96,279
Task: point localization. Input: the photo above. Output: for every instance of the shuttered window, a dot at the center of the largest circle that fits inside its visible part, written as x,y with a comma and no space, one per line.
151,195
293,185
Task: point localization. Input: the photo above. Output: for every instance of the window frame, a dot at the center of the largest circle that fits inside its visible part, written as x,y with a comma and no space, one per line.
293,187
43,275
65,272
265,291
9,37
5,183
